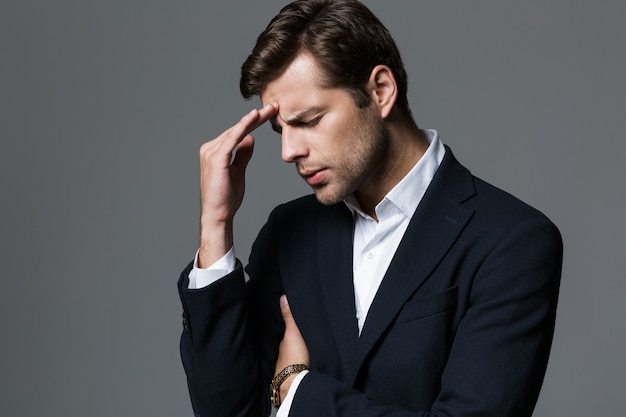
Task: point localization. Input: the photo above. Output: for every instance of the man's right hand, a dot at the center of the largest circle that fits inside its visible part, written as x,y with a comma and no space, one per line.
222,183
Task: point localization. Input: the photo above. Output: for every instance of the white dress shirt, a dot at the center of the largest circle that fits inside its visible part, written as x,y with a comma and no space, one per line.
374,242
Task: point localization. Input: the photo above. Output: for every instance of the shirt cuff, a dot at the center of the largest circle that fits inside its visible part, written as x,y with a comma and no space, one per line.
285,407
203,277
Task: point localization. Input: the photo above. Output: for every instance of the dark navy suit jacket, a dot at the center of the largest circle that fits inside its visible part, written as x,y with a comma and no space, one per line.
461,326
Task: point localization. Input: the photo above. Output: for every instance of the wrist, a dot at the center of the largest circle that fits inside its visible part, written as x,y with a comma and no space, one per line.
215,241
279,387
286,385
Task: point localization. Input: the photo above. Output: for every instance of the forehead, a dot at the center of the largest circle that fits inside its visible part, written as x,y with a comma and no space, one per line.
299,92
302,78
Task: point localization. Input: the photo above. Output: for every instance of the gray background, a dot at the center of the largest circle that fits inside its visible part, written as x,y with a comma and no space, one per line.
103,106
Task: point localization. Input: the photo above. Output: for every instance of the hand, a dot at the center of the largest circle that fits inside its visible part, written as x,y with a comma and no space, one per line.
292,349
222,183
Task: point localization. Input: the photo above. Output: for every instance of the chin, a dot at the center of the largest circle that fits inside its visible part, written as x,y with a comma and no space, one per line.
328,197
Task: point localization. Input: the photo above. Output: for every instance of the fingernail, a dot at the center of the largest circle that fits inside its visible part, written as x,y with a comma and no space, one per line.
283,300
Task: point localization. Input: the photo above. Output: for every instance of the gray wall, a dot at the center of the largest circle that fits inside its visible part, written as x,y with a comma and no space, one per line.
103,106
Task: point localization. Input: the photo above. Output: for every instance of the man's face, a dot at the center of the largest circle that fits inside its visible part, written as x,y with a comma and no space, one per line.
337,147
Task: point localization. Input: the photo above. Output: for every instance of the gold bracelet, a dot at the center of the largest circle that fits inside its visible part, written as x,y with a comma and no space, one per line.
280,378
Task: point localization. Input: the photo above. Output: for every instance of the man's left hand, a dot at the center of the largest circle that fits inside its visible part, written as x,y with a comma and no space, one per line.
292,349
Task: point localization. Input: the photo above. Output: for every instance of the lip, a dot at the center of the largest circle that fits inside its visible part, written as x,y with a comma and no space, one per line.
314,177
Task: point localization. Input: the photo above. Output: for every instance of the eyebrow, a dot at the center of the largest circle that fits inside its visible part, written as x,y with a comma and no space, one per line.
296,118
301,116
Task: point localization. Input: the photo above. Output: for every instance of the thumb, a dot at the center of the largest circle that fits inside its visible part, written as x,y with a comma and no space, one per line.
286,311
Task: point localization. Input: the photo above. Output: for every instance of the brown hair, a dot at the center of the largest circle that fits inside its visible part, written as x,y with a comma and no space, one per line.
345,38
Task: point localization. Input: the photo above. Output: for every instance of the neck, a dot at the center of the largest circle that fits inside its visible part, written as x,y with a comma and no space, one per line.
407,146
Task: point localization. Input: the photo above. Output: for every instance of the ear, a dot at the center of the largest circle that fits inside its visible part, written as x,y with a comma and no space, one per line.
383,88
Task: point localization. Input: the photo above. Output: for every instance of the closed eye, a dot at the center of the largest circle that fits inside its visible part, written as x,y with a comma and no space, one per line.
297,123
313,122
302,123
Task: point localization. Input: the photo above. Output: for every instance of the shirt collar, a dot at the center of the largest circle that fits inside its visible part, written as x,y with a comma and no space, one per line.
407,194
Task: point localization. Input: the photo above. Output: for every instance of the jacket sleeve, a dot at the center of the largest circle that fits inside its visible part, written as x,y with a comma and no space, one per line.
229,343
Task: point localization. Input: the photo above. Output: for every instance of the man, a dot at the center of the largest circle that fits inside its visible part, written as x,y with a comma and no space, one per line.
412,288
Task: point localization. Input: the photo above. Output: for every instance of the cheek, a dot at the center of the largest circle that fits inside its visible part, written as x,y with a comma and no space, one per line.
342,133
338,138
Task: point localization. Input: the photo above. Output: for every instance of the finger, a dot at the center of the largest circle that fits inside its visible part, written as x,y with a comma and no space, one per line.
264,114
286,312
243,153
284,306
292,348
249,123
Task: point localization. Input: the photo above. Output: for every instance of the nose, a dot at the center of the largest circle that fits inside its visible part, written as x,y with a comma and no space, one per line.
293,145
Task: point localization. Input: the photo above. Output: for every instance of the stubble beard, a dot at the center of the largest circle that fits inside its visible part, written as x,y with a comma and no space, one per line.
367,163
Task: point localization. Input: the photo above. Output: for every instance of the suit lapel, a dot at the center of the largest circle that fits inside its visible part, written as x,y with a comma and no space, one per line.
334,249
436,224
